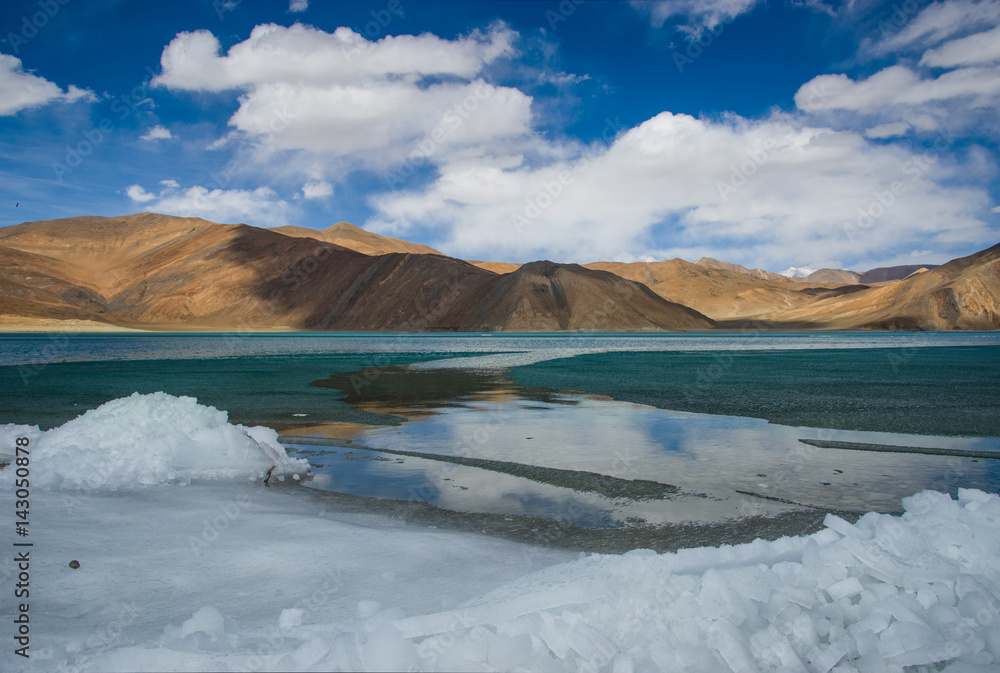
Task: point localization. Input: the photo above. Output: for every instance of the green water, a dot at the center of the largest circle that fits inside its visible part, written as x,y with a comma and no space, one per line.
600,442
259,390
934,391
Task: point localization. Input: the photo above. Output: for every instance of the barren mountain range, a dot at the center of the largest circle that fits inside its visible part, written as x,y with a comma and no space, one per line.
154,271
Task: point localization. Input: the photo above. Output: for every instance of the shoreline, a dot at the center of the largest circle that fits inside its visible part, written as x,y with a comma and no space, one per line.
94,327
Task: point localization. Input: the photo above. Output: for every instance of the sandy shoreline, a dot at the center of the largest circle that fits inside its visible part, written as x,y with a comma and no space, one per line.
18,324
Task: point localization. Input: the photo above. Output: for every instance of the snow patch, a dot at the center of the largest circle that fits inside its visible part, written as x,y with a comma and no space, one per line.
797,271
143,440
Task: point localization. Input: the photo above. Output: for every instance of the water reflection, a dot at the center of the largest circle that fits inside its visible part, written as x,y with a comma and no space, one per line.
476,441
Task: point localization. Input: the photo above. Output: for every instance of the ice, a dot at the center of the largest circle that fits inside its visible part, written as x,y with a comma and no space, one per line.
227,574
845,588
144,440
290,618
206,620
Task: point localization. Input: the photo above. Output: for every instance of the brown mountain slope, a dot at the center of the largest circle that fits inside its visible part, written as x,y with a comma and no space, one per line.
884,273
150,271
718,293
86,251
355,238
497,267
544,296
728,266
962,294
832,277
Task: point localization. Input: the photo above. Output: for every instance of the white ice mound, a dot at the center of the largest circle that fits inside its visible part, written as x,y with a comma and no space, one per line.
145,440
885,594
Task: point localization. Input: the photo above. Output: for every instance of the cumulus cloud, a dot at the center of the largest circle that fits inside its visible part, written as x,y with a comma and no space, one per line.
695,16
317,189
946,74
138,194
338,93
898,85
20,90
157,133
791,192
299,53
298,5
260,207
788,187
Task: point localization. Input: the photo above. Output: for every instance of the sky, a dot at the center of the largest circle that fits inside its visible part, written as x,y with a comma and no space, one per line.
769,133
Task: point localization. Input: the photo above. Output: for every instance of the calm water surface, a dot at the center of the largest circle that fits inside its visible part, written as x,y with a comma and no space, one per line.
592,441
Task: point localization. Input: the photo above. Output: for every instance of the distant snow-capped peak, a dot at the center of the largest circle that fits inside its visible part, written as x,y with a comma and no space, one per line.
797,271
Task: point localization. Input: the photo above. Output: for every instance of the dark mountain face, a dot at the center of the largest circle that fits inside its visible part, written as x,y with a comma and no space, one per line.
156,271
885,273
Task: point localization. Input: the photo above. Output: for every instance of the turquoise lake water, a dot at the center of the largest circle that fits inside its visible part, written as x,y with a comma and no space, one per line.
592,441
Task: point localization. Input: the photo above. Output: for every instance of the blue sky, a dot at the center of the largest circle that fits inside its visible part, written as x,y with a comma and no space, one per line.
769,133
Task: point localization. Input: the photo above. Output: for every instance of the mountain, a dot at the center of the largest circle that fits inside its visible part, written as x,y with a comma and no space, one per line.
833,277
355,238
719,293
543,296
728,266
962,294
823,276
797,271
497,267
155,271
886,273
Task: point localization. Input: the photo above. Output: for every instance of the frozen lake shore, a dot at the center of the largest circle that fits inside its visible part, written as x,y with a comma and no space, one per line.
195,565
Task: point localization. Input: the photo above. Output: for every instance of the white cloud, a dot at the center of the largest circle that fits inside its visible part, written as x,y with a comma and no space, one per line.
790,192
898,85
259,207
936,23
340,94
890,130
20,90
979,49
298,5
995,209
945,75
317,189
138,194
302,54
157,133
696,15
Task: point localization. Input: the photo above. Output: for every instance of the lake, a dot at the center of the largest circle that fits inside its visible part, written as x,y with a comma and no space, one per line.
601,442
